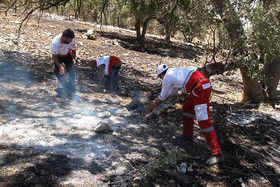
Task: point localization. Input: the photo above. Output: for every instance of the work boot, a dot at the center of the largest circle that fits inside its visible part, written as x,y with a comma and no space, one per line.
187,139
215,159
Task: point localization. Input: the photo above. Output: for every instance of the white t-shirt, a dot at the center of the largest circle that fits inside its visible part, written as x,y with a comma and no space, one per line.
59,48
174,79
104,60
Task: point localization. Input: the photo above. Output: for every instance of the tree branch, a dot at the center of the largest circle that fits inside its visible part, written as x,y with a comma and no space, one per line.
9,7
41,7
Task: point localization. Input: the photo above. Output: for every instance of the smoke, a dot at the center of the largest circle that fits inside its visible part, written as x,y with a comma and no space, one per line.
15,77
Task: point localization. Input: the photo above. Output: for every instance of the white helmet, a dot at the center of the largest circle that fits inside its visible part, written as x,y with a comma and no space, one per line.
161,68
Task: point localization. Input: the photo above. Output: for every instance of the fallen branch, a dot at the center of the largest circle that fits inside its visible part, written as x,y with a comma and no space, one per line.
163,107
158,111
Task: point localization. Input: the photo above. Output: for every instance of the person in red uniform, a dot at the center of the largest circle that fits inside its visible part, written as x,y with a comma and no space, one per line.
63,51
196,105
108,66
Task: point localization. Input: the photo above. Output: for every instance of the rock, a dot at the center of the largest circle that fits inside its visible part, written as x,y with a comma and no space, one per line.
90,35
16,22
84,36
77,116
10,43
123,112
115,42
144,100
105,114
103,128
133,105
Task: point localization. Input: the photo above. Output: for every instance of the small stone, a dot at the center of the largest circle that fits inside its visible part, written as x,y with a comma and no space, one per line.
103,128
104,114
90,35
77,116
144,100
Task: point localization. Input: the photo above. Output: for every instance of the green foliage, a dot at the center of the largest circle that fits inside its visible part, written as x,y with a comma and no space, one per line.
262,35
161,160
141,8
195,18
265,32
90,9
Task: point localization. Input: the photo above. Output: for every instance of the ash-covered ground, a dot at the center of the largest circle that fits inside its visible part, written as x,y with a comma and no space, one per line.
48,141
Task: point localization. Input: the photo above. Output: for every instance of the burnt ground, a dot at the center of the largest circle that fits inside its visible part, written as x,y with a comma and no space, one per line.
47,141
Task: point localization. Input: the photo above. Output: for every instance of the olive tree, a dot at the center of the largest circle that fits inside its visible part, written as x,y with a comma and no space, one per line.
253,30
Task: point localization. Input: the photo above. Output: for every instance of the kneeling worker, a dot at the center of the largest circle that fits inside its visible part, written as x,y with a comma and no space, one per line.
108,66
196,105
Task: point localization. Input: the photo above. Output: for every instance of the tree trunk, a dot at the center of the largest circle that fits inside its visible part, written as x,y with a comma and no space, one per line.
141,36
145,26
168,33
79,6
252,90
272,77
169,23
137,28
104,5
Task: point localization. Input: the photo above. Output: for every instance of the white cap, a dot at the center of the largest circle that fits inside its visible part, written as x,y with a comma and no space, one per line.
161,68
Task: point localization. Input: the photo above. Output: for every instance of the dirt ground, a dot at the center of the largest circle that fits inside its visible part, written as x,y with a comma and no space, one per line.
48,141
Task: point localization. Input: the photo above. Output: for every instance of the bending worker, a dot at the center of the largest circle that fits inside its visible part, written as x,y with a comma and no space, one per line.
196,105
108,66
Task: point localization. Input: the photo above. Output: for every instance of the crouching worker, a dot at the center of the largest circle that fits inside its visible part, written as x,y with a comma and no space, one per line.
109,67
196,105
64,53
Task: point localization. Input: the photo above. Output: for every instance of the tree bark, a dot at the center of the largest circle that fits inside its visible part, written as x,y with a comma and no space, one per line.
168,33
137,28
169,23
104,5
145,26
78,10
252,90
272,77
141,36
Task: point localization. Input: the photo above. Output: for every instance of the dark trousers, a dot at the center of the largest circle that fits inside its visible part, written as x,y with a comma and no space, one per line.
71,70
111,81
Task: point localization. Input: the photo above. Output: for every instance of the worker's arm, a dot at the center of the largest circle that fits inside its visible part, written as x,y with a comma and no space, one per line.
166,86
73,50
60,66
73,54
54,50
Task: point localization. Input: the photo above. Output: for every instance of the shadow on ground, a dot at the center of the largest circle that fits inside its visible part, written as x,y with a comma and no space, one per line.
154,46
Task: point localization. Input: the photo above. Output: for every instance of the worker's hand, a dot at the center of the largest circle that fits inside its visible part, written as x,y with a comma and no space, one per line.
74,62
61,70
150,106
